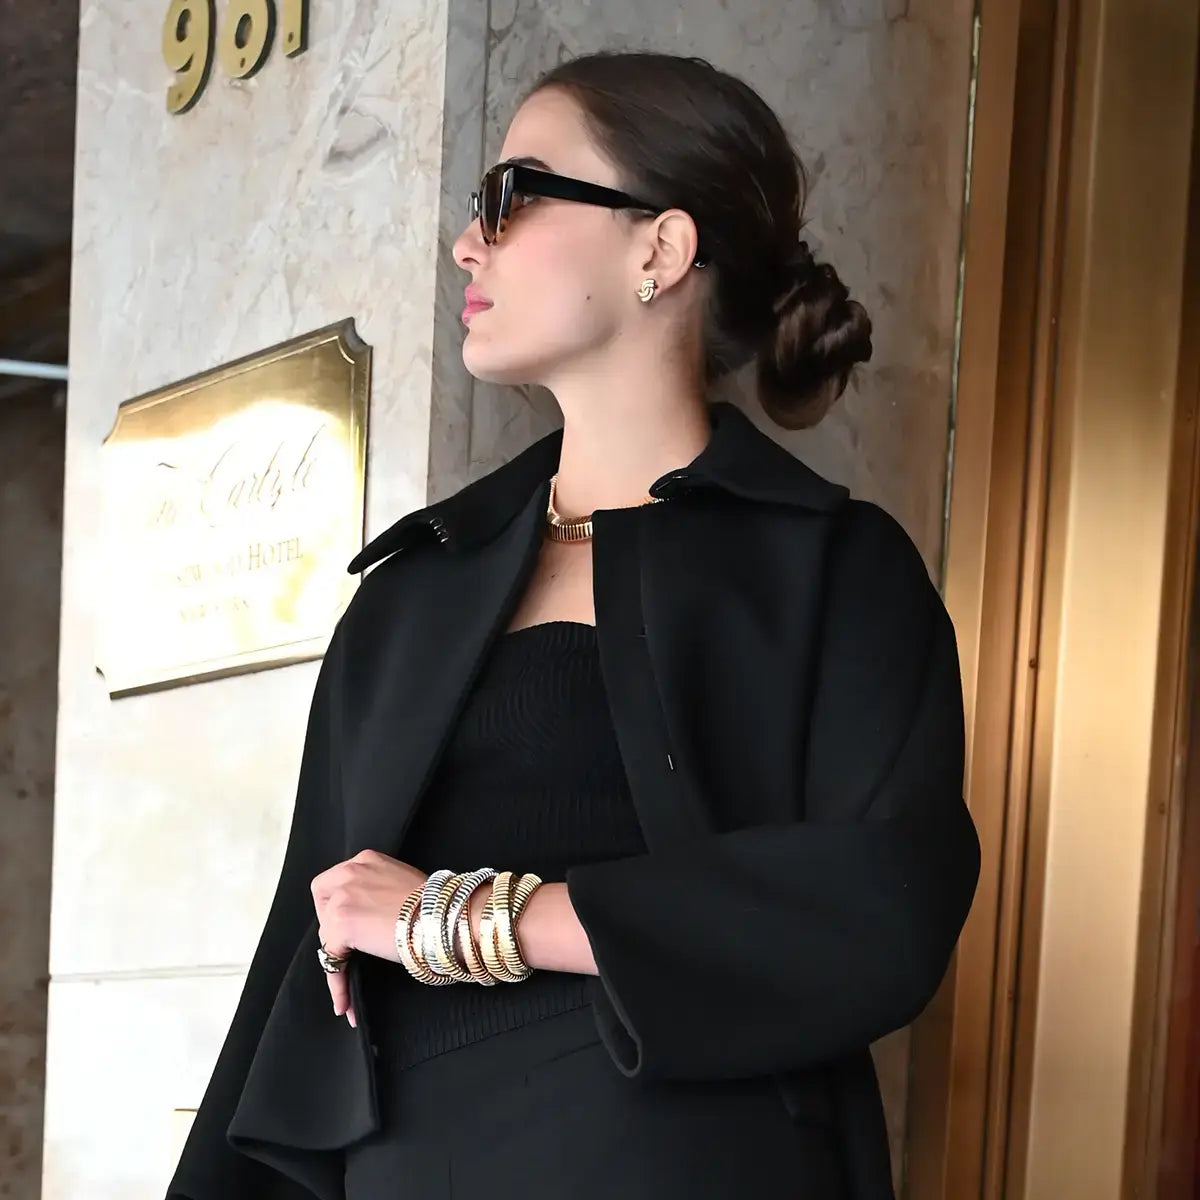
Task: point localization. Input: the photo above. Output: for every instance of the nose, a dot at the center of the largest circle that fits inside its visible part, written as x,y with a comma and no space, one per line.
469,247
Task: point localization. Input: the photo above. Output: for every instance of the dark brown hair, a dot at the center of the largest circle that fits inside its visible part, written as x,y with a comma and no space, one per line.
685,135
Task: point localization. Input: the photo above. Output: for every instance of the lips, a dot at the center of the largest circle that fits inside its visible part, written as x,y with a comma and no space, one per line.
476,303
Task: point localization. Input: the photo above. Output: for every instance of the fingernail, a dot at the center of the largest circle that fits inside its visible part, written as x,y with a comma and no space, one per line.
353,1022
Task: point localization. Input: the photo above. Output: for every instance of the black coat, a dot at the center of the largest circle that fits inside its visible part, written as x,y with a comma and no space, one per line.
785,687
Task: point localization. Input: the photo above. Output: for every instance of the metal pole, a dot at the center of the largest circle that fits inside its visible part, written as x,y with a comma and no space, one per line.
32,370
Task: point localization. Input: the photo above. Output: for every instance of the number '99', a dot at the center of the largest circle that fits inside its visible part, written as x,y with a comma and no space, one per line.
248,28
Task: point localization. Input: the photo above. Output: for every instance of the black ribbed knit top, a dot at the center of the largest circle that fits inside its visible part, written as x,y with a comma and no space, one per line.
531,780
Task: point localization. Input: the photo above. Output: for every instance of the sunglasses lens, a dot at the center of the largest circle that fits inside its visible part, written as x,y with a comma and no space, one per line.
491,206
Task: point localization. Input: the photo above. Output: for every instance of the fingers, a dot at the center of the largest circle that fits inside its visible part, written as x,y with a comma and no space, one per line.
339,985
338,981
339,991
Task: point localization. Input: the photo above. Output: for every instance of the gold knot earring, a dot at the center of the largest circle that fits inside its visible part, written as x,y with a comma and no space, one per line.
646,291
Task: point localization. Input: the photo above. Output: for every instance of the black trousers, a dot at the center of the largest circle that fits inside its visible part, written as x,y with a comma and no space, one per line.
543,1112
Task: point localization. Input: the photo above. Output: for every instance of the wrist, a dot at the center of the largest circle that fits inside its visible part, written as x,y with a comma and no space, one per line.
540,929
551,936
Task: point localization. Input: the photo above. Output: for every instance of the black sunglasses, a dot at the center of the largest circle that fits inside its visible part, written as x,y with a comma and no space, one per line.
492,205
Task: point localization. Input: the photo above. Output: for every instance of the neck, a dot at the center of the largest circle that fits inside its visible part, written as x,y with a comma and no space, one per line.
618,438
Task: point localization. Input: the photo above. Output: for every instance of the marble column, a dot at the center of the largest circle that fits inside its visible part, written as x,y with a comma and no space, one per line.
277,205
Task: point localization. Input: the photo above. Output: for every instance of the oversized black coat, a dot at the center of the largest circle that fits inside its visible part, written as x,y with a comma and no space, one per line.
784,682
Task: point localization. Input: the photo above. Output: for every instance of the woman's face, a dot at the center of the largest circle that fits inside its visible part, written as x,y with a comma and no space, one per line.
560,281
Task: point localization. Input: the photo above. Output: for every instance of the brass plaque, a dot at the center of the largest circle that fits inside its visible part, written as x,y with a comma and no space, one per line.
232,502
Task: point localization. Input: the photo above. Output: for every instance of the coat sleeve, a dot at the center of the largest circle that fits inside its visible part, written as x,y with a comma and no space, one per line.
209,1168
772,948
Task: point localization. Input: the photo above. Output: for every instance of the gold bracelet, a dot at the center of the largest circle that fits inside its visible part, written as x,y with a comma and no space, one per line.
407,950
497,942
501,911
426,934
487,938
466,940
442,959
506,926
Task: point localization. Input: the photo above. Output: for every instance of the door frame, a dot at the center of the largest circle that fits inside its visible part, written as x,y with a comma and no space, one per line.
1043,445
962,1044
1174,817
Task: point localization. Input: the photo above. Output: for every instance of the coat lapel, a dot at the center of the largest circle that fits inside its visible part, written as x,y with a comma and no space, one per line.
421,643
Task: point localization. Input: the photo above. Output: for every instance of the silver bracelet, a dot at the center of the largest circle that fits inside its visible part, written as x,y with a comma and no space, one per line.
428,935
468,885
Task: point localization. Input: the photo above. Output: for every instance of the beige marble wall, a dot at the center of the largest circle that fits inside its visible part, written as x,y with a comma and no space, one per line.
277,205
874,93
31,441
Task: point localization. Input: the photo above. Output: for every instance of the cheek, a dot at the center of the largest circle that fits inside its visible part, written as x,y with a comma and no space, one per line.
561,289
550,305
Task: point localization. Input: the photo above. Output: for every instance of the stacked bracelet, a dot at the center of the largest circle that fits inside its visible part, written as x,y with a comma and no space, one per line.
498,927
438,910
448,909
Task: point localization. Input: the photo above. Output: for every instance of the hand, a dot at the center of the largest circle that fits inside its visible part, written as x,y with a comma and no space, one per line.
357,903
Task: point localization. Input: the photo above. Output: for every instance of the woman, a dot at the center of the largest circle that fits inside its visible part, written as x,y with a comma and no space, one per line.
699,708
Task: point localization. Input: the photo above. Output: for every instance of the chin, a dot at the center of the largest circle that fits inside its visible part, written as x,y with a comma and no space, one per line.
496,368
491,373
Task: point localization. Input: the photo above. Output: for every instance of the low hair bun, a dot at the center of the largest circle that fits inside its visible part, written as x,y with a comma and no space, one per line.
799,264
818,336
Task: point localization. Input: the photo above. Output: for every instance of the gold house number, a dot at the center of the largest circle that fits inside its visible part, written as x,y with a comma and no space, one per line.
244,41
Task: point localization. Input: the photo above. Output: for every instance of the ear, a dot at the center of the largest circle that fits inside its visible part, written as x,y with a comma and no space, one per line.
670,247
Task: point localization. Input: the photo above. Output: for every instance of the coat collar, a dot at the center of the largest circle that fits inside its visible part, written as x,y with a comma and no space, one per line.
739,459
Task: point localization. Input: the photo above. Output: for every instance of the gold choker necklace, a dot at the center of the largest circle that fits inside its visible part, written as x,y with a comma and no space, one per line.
577,529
